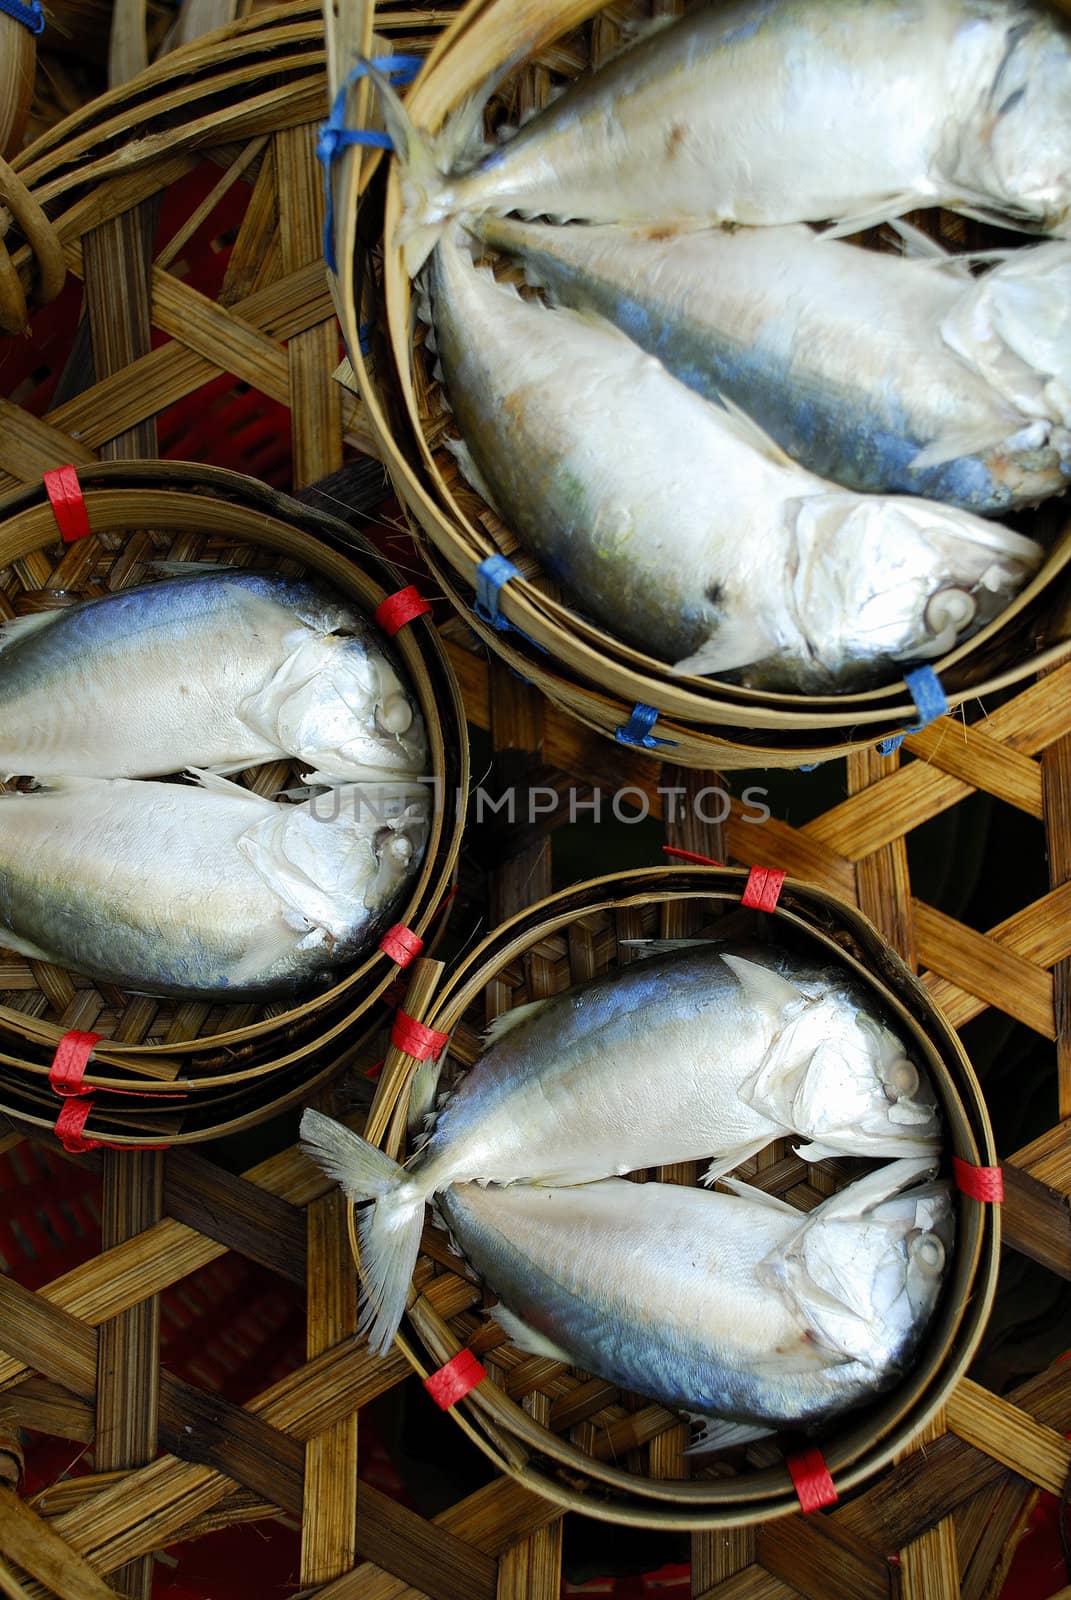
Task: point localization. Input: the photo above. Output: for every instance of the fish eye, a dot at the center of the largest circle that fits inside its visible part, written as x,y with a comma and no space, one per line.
950,610
927,1251
901,1079
395,715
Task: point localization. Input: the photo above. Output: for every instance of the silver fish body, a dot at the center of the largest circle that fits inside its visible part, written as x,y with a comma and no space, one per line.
881,373
730,1306
682,528
207,892
715,1052
773,111
219,670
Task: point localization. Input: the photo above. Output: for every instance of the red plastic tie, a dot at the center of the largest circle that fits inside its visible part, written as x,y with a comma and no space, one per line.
67,1073
453,1382
401,944
810,1475
690,855
74,1114
65,493
980,1183
763,889
423,1044
400,608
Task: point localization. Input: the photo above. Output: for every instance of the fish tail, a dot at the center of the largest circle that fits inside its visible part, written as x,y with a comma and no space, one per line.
388,1231
426,164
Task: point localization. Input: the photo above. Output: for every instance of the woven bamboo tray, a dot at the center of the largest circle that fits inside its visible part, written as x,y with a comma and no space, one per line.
166,1047
572,1445
579,665
939,1524
247,102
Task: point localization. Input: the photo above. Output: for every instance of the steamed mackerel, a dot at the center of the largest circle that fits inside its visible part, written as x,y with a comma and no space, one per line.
222,670
682,528
882,373
732,1306
714,1052
209,892
774,111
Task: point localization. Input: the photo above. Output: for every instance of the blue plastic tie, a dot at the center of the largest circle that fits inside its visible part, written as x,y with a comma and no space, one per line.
31,16
364,337
336,137
491,576
931,702
812,768
637,730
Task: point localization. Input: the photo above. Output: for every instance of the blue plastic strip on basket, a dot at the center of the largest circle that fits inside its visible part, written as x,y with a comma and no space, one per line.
336,137
364,336
931,702
637,730
491,576
31,16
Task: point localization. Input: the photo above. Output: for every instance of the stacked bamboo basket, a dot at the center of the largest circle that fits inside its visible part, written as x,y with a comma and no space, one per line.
169,1461
577,663
180,1072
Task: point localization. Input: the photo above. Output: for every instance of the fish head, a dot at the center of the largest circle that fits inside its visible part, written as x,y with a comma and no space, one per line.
1015,151
883,579
843,1080
339,861
352,716
866,1268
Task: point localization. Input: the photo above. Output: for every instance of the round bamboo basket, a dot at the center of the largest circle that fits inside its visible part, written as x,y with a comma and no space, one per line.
574,1438
578,664
146,512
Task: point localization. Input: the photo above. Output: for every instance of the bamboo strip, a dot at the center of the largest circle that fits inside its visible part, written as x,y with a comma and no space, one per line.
985,968
118,301
929,1566
883,881
532,1570
719,1555
752,1583
988,1530
1003,1431
1056,776
329,1522
36,1547
819,1563
1037,1220
128,1361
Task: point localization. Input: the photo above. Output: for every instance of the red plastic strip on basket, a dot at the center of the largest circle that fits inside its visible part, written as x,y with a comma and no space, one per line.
375,1069
415,1039
67,1073
810,1475
65,493
980,1183
690,855
400,608
401,944
763,889
453,1382
72,1119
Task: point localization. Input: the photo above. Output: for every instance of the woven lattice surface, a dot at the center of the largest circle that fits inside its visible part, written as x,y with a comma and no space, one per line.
82,1352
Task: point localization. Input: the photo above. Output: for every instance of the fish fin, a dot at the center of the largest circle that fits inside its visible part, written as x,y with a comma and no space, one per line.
527,1338
422,1098
818,1152
471,472
887,212
508,1020
951,446
14,629
211,779
736,642
918,245
716,1172
759,1197
716,1434
642,948
25,947
388,1232
426,161
764,987
749,431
